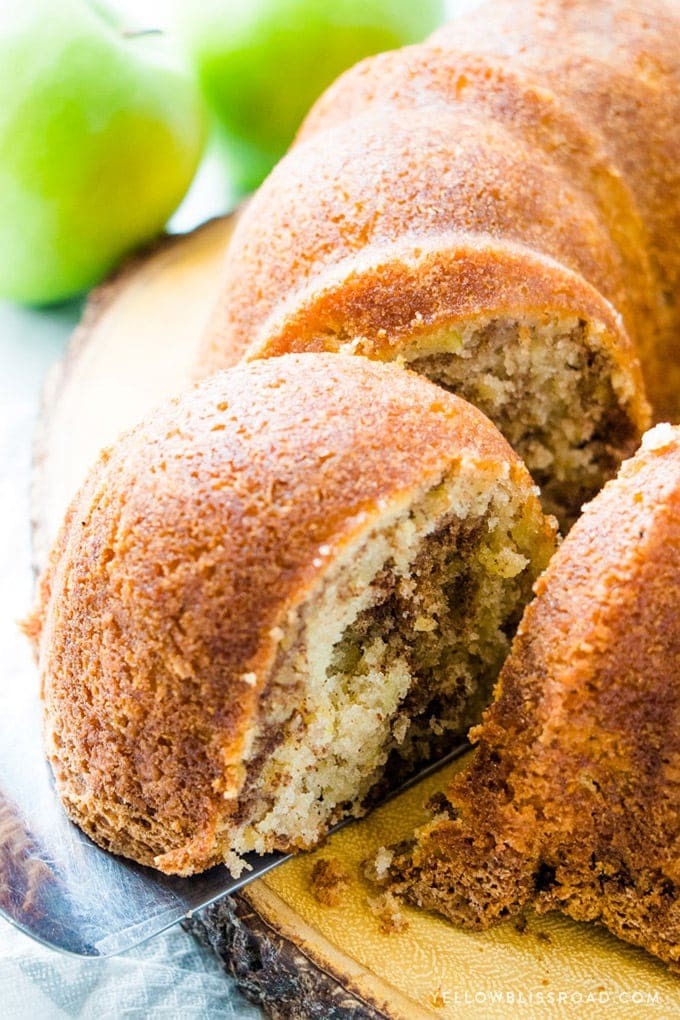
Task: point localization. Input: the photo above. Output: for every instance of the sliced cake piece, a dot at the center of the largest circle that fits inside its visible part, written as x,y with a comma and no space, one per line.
572,798
280,590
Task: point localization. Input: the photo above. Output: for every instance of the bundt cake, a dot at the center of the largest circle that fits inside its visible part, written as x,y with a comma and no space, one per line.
499,207
572,797
282,588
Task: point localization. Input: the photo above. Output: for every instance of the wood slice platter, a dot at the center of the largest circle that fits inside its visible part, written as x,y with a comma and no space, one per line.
290,952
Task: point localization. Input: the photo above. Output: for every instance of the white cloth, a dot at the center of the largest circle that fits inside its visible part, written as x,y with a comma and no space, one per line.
170,977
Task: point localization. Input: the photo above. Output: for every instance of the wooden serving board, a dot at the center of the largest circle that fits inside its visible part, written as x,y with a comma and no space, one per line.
299,958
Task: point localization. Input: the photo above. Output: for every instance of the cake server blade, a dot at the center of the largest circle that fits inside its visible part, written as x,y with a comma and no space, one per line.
58,887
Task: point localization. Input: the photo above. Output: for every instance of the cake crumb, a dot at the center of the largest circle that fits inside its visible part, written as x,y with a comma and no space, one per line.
658,438
400,728
377,867
330,881
425,623
386,908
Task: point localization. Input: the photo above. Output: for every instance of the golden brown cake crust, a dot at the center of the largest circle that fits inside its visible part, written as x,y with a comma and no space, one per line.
433,77
193,538
552,124
615,66
571,799
447,279
399,178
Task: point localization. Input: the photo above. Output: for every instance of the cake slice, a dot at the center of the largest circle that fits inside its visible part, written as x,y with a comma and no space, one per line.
572,798
278,593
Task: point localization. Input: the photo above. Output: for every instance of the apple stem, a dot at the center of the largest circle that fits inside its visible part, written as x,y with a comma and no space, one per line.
134,33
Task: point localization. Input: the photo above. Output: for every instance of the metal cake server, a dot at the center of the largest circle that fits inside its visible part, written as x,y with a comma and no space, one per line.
61,889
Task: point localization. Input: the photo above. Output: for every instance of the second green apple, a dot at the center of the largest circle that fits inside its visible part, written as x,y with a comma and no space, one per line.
262,63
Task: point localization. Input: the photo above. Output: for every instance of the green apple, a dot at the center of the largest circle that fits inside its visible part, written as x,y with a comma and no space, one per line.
101,132
263,62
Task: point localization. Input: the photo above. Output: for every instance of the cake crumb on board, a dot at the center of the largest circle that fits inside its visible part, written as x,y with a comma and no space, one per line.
330,881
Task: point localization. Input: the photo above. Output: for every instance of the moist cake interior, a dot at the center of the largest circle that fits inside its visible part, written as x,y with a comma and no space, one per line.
391,659
548,386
